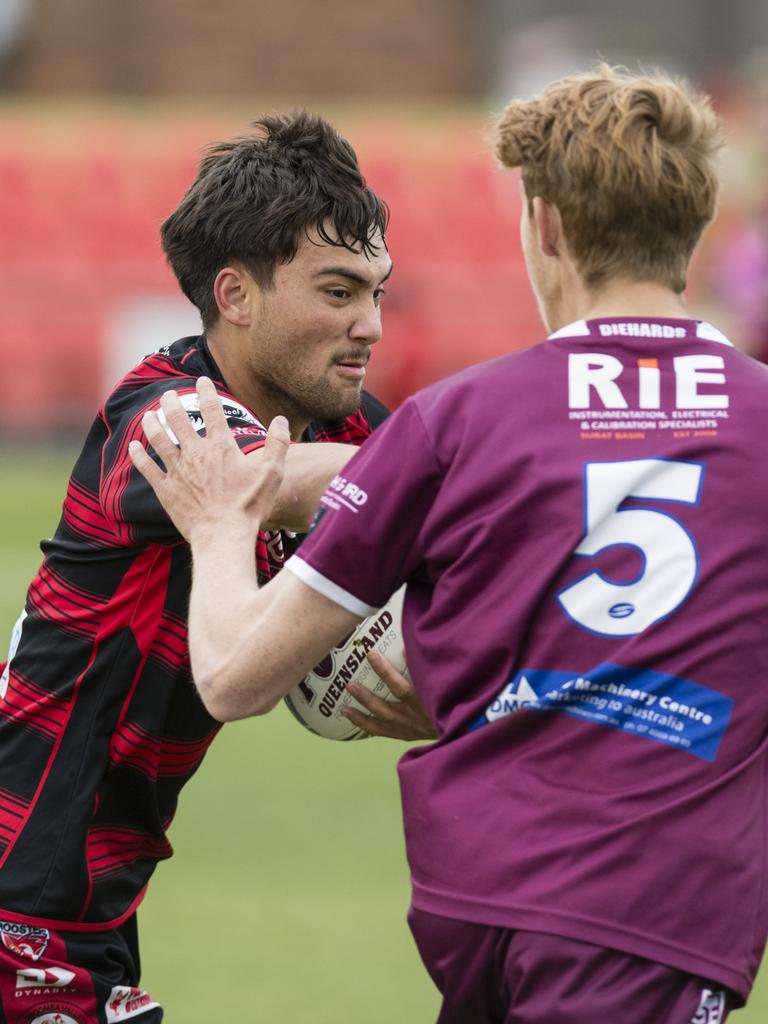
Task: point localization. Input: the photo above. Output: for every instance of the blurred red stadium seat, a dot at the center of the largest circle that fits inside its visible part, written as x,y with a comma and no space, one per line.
79,236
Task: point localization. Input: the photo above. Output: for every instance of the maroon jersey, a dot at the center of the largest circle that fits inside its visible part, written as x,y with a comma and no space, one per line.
100,723
583,527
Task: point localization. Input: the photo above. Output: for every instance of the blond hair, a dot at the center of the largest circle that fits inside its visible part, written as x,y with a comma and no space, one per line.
628,162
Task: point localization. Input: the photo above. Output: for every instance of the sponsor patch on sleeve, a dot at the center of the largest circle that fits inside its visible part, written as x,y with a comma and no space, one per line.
125,1002
237,415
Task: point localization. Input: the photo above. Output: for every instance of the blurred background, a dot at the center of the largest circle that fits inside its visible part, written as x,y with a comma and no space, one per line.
287,897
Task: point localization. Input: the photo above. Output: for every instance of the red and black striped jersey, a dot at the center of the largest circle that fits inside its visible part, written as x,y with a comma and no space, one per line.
100,722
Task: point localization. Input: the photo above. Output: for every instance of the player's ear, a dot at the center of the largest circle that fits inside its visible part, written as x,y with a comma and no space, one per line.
549,226
235,293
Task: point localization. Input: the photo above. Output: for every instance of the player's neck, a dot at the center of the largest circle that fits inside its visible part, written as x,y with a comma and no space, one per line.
263,401
572,300
632,298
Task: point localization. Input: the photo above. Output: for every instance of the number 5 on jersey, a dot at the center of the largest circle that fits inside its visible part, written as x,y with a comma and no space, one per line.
670,557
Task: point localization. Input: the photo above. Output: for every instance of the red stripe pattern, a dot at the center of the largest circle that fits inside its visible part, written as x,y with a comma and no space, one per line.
32,707
170,645
110,850
70,607
353,430
13,813
85,517
153,756
269,555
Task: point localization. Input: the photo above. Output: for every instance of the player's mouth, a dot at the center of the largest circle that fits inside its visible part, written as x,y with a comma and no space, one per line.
352,368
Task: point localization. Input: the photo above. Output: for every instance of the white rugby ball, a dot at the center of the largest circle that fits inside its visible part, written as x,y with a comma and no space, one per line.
318,700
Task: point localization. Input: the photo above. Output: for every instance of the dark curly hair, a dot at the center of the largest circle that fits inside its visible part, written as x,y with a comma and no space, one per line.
255,195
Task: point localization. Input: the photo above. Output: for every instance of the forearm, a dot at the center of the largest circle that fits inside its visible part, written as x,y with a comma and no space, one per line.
246,647
224,599
248,644
309,468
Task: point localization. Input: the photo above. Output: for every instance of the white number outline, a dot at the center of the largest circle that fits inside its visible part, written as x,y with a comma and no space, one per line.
12,648
618,509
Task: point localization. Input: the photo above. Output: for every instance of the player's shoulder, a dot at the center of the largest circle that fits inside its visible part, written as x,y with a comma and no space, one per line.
160,370
745,379
746,363
173,367
476,383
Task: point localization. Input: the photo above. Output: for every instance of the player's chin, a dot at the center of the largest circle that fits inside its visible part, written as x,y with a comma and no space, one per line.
345,401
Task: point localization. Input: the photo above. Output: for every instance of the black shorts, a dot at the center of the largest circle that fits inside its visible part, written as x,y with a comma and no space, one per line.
72,977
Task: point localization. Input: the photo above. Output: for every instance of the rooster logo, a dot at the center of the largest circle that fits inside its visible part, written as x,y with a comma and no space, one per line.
23,940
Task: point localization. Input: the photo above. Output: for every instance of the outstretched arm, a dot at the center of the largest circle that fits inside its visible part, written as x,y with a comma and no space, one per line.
245,648
248,645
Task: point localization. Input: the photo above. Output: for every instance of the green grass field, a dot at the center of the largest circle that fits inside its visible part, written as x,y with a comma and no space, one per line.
287,895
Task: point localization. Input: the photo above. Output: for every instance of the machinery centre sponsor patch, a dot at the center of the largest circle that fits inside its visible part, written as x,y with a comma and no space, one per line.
652,705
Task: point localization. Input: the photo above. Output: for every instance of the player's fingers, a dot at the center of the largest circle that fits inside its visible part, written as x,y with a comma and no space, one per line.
399,686
403,718
157,436
402,723
145,465
278,437
369,724
275,450
177,419
212,411
371,702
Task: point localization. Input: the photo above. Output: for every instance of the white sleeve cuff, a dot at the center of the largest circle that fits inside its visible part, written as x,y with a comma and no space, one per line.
327,587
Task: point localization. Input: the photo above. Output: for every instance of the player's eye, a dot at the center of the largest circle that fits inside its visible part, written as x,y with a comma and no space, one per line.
339,293
379,294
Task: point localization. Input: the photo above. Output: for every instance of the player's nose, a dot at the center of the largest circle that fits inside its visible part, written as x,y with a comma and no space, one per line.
367,326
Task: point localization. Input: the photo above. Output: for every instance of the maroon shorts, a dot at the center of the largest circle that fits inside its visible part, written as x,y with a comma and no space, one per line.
72,977
501,976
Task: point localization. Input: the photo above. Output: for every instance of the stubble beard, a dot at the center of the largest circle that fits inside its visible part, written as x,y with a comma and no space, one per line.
306,399
297,395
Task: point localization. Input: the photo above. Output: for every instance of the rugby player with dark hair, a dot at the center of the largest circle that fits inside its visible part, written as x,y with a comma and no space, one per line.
281,246
582,527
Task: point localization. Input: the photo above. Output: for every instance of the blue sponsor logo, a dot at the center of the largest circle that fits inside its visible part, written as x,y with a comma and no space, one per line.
652,705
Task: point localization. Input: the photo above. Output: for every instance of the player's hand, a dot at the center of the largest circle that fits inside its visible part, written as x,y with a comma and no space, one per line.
403,719
207,485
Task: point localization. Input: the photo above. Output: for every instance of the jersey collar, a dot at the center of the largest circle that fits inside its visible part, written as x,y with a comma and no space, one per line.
583,328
